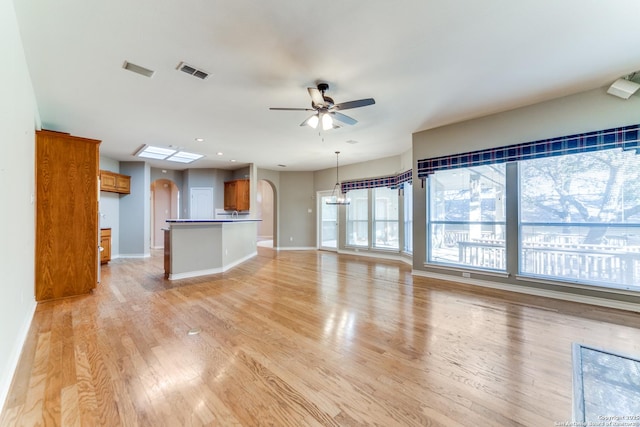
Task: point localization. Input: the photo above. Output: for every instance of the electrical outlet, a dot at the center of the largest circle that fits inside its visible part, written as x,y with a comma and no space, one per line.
291,238
466,274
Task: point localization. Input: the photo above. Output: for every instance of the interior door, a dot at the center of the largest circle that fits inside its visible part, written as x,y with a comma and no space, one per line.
327,223
201,203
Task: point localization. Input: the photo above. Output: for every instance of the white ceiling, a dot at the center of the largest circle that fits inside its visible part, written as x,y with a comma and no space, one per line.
427,63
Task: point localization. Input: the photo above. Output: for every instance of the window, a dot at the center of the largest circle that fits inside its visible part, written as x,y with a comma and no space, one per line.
580,218
358,218
385,218
466,217
408,217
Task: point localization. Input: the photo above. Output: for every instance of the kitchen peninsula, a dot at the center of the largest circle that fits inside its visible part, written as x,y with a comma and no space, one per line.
197,247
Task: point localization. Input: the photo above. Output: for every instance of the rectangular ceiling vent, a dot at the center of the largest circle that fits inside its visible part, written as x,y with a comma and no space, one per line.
191,70
138,69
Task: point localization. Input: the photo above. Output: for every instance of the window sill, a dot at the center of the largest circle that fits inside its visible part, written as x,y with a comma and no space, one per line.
577,285
458,269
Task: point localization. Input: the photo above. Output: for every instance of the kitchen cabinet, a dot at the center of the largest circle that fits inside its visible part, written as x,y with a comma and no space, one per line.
105,244
66,215
236,195
115,182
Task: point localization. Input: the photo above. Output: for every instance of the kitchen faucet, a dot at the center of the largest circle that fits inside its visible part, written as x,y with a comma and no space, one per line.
234,213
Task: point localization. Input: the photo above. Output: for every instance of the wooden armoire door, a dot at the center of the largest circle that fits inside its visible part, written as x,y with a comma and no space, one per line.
67,171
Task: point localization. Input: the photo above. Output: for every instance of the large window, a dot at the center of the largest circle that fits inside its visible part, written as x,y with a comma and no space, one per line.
466,217
408,217
385,218
358,218
580,218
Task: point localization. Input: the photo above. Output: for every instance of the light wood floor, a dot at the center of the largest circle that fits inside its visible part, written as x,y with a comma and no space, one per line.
303,338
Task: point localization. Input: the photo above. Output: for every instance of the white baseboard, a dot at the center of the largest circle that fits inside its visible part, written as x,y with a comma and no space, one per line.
14,356
296,248
133,256
188,274
565,296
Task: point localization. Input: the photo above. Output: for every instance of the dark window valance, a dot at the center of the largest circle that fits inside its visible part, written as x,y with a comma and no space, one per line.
393,181
623,137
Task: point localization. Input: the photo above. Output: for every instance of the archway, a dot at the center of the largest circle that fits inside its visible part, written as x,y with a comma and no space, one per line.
266,210
165,198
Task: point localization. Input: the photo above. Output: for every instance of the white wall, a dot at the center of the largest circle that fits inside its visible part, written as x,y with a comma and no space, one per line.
18,118
110,208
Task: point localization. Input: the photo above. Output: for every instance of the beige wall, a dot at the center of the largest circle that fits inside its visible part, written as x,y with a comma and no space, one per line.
297,217
584,112
325,179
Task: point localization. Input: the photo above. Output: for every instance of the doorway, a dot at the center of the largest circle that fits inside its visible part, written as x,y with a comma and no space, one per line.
327,222
266,211
164,205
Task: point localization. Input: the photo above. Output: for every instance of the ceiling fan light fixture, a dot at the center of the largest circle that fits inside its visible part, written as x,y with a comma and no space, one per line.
313,121
326,111
327,122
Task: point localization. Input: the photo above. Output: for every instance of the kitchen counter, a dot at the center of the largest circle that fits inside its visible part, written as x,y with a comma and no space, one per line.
198,247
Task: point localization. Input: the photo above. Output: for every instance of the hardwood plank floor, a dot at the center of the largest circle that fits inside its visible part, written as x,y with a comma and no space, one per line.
303,338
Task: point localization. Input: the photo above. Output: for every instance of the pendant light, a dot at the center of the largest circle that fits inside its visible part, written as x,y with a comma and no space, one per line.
337,196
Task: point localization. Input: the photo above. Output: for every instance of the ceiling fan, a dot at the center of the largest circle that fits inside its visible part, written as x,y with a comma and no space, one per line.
326,111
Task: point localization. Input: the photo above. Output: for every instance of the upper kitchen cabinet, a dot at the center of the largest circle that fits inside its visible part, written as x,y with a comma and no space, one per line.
236,195
66,215
115,182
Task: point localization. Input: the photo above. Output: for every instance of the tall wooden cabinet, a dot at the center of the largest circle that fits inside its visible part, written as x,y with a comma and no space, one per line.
66,215
236,195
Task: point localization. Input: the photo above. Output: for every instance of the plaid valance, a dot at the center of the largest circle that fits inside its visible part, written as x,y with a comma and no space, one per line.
623,137
393,181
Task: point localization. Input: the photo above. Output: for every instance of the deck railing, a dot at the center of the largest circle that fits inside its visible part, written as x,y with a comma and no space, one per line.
605,264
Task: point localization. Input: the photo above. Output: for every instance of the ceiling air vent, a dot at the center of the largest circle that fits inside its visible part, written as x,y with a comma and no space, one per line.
192,71
138,69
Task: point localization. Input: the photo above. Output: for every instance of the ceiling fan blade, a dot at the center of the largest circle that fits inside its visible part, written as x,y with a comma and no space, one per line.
354,104
343,119
291,109
316,96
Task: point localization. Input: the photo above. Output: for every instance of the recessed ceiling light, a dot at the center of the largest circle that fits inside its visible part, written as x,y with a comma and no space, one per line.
219,153
232,160
283,166
351,141
200,139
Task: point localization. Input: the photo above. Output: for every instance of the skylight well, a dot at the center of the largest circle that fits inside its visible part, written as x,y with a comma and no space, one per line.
169,154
